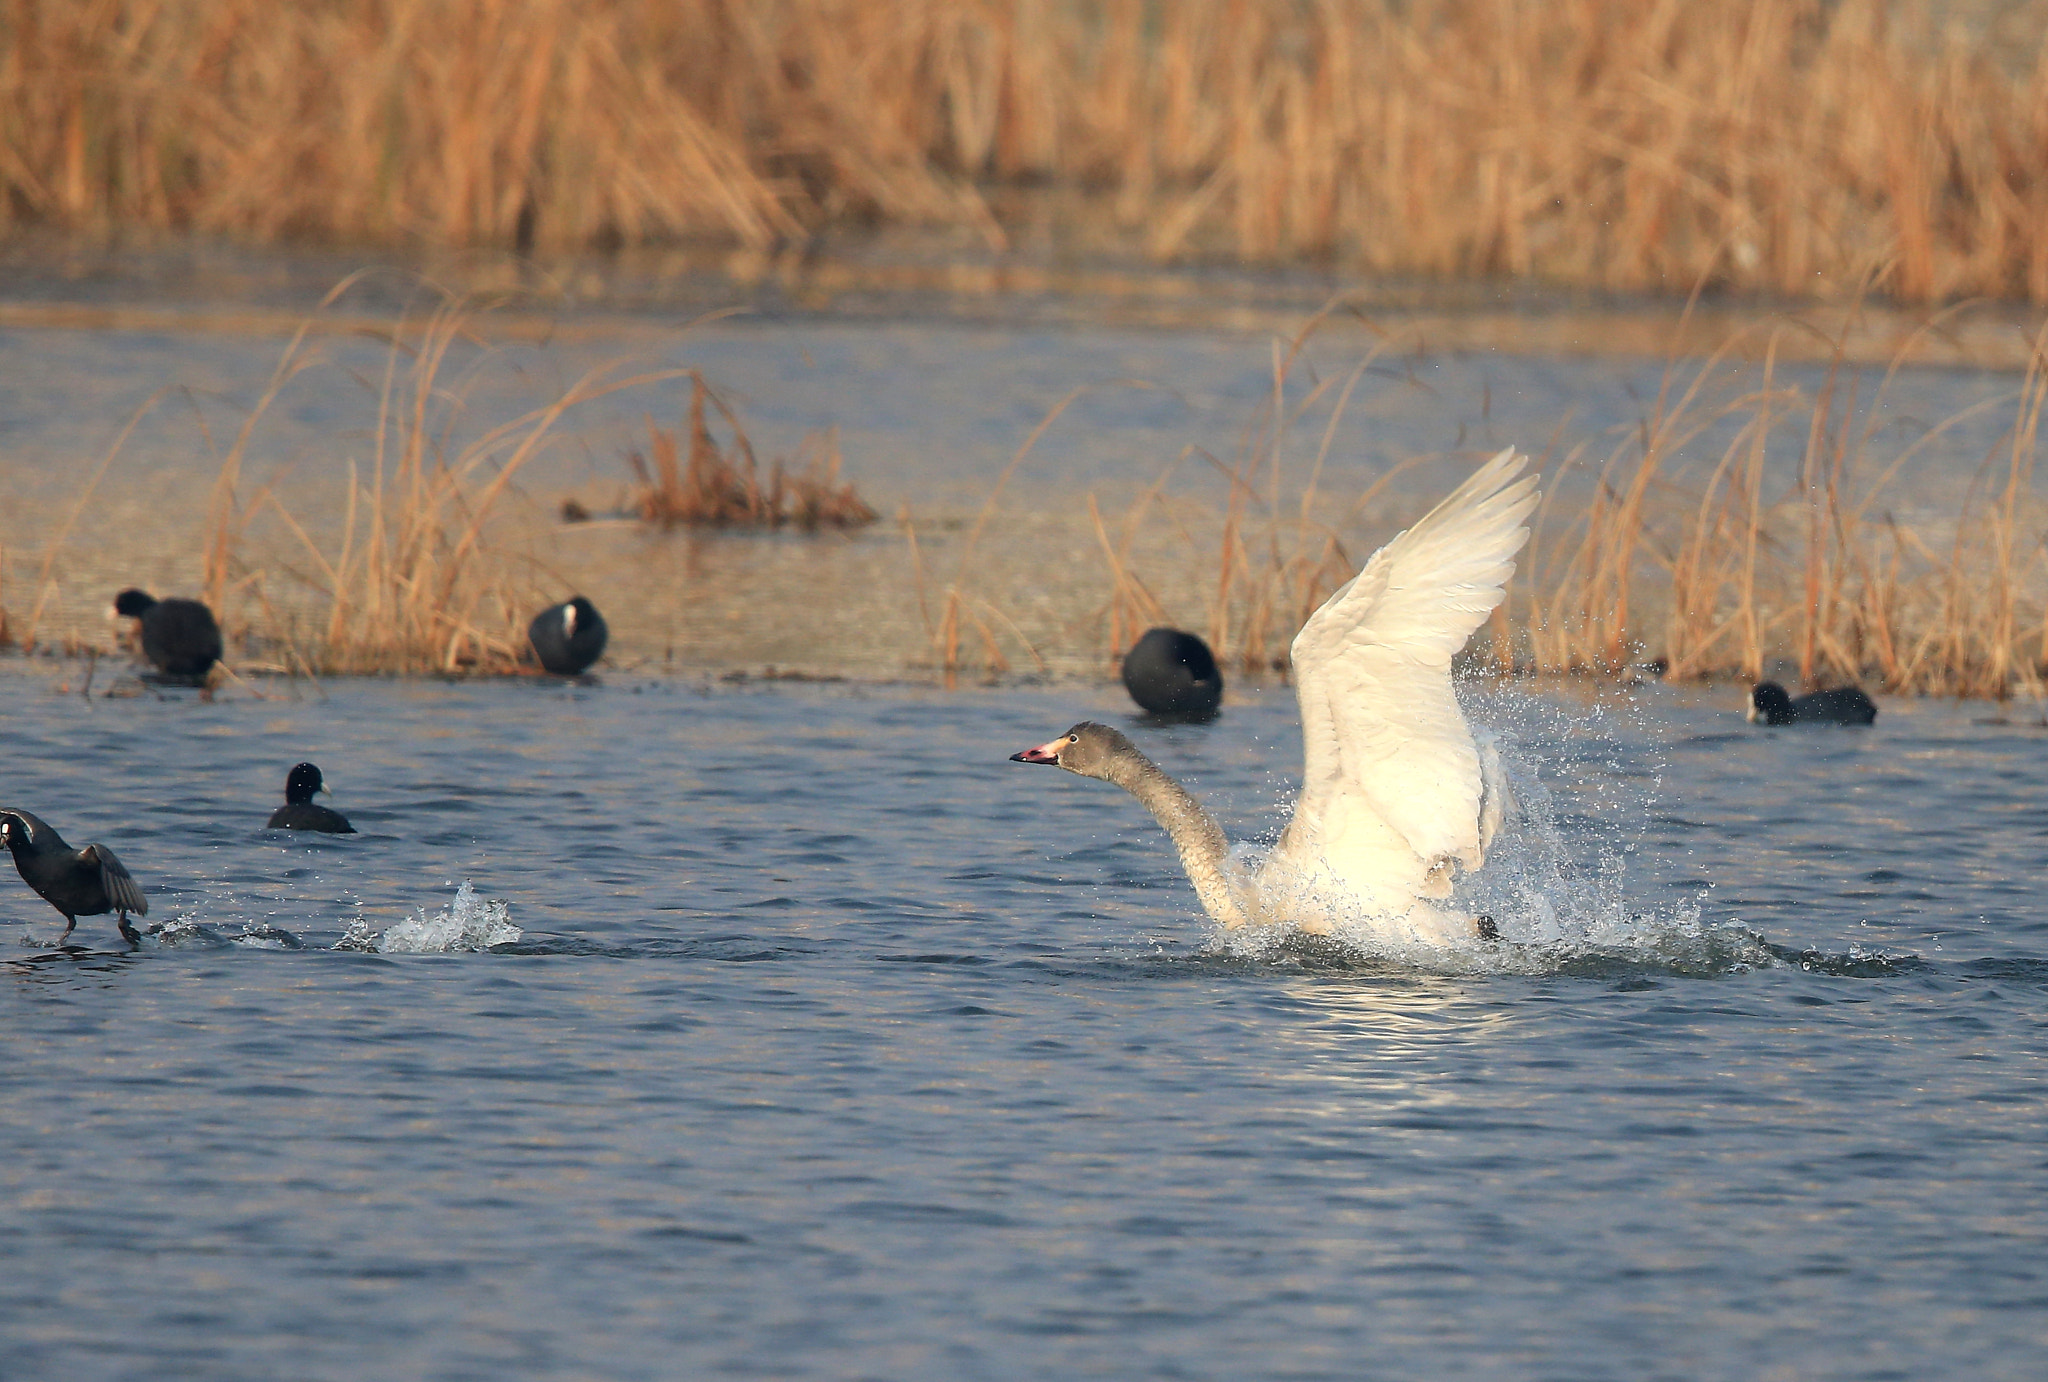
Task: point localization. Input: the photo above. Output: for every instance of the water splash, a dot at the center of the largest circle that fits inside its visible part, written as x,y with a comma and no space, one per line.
1556,884
188,932
467,923
261,935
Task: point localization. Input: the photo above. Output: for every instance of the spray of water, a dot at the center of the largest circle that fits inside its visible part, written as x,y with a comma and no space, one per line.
467,923
1557,884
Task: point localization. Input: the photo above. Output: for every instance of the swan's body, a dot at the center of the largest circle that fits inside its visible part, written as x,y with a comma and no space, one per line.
1397,794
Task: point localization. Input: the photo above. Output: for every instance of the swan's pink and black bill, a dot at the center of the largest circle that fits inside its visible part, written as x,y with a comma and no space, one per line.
1044,753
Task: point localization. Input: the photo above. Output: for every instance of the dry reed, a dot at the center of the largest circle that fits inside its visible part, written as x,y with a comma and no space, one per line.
1780,552
1792,146
964,607
1274,555
417,579
720,487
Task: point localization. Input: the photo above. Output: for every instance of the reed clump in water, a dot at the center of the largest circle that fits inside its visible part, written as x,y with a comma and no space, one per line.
713,486
1744,524
1791,146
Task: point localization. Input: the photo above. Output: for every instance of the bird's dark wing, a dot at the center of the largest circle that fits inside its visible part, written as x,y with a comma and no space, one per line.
123,893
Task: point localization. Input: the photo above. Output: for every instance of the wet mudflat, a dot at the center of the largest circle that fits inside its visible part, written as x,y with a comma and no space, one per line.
928,414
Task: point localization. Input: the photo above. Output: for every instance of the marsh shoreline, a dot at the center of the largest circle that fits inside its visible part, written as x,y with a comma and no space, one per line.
199,285
1054,469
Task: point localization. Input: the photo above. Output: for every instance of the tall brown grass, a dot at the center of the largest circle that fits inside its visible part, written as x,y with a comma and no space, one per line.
421,577
27,637
1794,146
1276,555
964,606
1733,574
1745,525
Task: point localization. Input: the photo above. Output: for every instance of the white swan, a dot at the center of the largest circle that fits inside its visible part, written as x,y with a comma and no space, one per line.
1397,795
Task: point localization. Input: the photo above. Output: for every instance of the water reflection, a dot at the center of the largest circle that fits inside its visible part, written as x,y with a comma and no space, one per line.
70,966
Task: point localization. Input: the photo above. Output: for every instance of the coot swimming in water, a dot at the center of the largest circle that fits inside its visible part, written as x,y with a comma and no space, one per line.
178,636
300,811
77,882
1844,706
1173,674
568,637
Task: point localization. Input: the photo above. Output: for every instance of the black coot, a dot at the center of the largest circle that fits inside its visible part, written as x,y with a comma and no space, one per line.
300,812
1173,675
1844,706
568,637
77,882
179,637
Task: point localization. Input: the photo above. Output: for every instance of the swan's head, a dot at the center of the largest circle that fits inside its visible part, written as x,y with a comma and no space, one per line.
1088,749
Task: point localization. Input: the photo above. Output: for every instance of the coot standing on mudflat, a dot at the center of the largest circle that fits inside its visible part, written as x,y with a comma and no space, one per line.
1173,674
300,811
77,882
178,636
568,637
1843,706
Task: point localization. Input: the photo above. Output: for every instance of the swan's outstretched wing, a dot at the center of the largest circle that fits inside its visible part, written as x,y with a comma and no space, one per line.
1392,782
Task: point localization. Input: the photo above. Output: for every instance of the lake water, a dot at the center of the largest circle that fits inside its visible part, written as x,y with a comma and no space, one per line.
687,1025
834,1045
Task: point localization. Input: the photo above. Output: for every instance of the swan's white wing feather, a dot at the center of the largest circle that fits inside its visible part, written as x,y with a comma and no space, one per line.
1392,781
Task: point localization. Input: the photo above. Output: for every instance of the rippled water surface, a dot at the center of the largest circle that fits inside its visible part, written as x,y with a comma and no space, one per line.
834,1045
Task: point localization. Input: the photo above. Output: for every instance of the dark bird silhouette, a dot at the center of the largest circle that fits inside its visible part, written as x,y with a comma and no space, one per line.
1173,675
179,637
77,882
300,811
1844,706
568,637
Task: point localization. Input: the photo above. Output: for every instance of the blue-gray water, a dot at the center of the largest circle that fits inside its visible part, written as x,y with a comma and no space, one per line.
837,1046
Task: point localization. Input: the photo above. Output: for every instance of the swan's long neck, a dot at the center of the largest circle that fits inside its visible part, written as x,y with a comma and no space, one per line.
1204,853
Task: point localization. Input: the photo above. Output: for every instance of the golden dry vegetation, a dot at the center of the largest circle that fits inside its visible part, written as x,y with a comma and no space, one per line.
1752,518
1745,523
427,560
418,577
424,565
1794,146
1718,571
